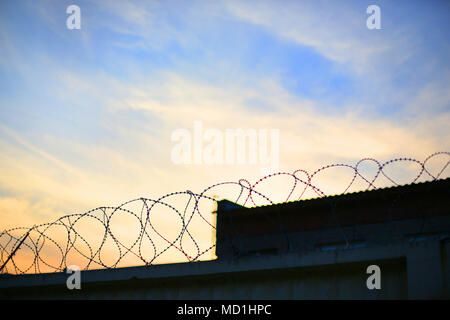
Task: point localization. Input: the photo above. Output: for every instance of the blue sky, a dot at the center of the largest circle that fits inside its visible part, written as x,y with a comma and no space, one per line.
86,115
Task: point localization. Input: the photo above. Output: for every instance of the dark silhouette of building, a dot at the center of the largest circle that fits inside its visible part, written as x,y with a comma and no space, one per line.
319,248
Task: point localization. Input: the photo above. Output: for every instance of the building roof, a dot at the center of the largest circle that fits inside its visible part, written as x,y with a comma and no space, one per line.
364,207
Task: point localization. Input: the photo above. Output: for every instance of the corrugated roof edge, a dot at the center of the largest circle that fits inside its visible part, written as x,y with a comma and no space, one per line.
346,196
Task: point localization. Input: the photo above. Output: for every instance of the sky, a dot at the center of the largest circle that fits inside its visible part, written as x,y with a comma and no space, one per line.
87,115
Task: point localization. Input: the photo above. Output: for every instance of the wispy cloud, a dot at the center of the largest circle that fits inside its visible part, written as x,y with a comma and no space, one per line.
86,118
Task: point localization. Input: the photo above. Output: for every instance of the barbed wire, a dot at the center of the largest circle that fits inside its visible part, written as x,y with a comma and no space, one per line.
150,243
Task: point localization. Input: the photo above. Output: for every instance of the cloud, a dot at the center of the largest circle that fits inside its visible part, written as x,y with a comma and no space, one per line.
127,162
88,136
44,187
336,30
16,212
398,65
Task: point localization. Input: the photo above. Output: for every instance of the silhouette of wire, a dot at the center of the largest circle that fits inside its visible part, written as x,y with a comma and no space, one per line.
150,242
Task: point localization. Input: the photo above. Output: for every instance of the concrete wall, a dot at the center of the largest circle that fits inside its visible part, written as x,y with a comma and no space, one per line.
408,271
